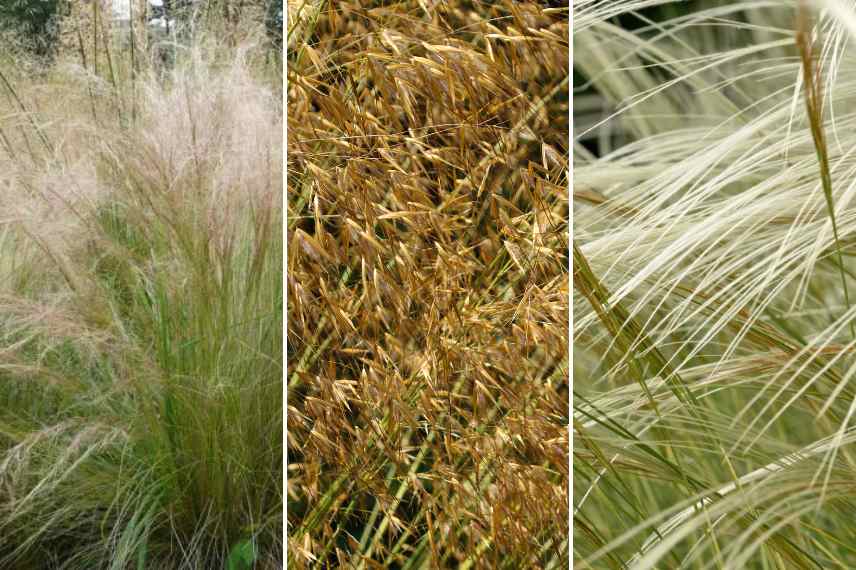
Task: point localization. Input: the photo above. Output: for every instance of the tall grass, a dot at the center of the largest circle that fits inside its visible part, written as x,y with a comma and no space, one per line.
713,266
141,313
427,281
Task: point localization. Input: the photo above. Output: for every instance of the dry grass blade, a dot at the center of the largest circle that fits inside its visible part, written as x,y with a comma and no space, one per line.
812,79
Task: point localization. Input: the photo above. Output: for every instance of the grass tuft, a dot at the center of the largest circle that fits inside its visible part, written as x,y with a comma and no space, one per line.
141,287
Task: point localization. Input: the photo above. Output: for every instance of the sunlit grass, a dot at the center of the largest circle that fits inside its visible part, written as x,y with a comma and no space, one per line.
428,287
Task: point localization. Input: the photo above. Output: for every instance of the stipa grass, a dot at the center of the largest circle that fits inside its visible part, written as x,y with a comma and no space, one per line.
713,258
141,318
428,287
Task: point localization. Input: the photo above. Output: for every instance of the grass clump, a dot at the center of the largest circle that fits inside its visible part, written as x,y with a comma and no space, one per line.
427,284
713,264
141,313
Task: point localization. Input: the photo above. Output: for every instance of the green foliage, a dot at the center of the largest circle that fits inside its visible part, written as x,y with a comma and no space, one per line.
242,556
274,21
33,20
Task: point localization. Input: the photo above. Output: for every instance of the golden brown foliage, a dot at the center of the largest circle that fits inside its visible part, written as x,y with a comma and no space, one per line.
427,285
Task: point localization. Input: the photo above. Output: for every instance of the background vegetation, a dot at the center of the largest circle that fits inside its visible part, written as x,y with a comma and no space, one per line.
33,20
141,306
713,277
428,286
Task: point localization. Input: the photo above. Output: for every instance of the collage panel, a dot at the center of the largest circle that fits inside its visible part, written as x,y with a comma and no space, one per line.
141,285
428,285
713,284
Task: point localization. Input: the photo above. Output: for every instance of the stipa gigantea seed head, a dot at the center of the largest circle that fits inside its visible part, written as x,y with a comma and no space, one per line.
396,190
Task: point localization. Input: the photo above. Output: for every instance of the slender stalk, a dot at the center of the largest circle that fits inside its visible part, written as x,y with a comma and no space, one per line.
812,78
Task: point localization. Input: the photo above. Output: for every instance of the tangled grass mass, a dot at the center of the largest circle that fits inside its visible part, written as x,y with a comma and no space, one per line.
427,284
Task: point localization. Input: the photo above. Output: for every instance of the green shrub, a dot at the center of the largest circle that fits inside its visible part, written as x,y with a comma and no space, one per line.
34,21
